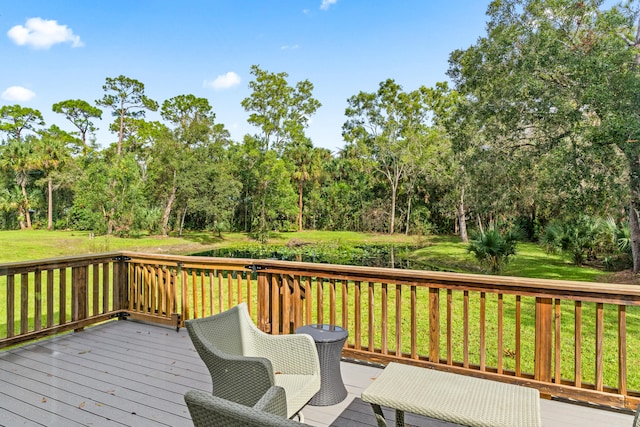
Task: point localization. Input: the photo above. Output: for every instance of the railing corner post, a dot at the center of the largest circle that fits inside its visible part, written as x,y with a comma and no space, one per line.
543,339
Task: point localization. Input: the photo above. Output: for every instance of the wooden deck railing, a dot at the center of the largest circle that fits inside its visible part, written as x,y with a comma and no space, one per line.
568,339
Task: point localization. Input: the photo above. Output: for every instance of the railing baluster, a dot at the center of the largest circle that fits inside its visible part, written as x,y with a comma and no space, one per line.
622,349
414,322
500,332
24,303
518,325
275,305
320,300
95,291
11,298
398,317
49,298
332,301
297,303
483,331
285,286
229,290
308,299
384,319
465,329
345,306
105,287
357,308
220,297
37,300
558,342
371,324
63,296
449,327
249,291
599,345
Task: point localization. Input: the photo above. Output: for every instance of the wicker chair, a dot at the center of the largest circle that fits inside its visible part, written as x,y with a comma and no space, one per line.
245,362
208,411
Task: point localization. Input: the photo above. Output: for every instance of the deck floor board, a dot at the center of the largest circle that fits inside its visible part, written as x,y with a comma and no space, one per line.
130,373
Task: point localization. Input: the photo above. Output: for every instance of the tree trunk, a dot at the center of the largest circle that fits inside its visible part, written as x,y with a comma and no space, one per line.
394,192
184,214
300,206
634,229
167,211
406,231
462,219
634,183
27,215
50,204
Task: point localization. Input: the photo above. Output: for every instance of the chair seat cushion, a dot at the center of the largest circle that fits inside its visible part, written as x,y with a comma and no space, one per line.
299,389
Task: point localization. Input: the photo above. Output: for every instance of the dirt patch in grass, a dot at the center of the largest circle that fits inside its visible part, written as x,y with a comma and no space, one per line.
622,277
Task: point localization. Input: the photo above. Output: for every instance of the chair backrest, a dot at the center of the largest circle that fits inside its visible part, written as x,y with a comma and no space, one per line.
207,410
225,329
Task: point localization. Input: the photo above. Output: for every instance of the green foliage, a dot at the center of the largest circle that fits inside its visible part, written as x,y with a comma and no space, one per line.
15,119
494,248
587,238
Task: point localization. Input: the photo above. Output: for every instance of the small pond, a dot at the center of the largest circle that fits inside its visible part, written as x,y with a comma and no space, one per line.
381,255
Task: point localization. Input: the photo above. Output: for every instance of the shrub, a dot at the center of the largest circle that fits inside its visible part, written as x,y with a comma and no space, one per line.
493,248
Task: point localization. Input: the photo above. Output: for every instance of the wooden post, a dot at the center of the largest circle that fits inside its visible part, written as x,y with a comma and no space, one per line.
79,294
543,341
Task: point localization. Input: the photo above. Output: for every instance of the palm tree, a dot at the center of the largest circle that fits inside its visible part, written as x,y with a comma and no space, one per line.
307,161
50,153
493,248
18,158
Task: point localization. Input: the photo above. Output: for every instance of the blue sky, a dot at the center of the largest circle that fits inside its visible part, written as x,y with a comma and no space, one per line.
65,49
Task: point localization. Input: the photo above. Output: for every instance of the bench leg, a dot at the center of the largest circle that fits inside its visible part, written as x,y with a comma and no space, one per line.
377,410
399,418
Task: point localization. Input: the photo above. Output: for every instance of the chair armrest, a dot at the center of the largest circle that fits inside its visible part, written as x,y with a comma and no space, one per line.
290,354
274,401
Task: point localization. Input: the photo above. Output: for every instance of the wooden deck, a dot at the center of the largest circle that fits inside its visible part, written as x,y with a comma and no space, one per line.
128,373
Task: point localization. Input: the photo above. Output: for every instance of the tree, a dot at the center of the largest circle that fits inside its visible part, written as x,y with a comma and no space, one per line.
306,161
17,157
15,119
79,113
556,76
387,123
279,110
51,153
126,98
193,120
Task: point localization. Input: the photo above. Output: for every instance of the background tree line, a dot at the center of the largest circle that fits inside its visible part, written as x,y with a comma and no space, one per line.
539,124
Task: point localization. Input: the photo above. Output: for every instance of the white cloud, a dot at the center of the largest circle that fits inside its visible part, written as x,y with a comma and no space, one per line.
18,94
326,3
224,81
42,34
289,47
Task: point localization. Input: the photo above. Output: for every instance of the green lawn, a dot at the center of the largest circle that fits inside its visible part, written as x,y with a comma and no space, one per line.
441,252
